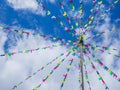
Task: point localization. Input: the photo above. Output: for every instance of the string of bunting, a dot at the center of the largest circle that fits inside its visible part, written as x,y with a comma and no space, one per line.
106,68
65,14
99,75
86,74
94,11
72,5
48,12
85,48
84,63
81,11
95,36
113,4
39,70
79,67
52,71
21,32
74,13
66,74
62,25
99,33
77,14
94,48
90,19
103,15
115,27
31,50
42,68
118,56
93,66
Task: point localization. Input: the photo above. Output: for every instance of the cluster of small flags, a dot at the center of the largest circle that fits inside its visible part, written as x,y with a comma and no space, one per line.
53,70
66,74
106,68
31,50
99,75
71,30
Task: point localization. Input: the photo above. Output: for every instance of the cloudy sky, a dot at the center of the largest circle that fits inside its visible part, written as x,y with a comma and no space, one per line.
46,17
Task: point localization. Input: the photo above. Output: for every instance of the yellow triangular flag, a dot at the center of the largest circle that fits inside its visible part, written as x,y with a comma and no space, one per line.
65,14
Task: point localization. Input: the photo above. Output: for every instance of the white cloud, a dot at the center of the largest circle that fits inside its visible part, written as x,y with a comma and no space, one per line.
3,38
117,20
30,5
23,4
16,68
52,1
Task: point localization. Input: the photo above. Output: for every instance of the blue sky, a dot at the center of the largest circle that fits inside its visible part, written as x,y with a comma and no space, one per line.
28,16
27,19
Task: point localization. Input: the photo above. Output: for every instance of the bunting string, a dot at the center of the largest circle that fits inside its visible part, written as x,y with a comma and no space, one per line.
93,66
99,75
104,47
94,18
98,34
81,12
66,74
75,14
103,15
31,50
53,70
86,75
39,70
91,17
94,48
21,32
79,67
94,11
84,63
95,36
42,68
106,68
113,5
48,12
114,75
67,29
65,14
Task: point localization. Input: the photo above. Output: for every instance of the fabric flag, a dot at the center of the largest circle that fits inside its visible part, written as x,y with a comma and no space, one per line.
53,70
86,75
107,69
39,70
99,76
31,50
103,49
65,75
